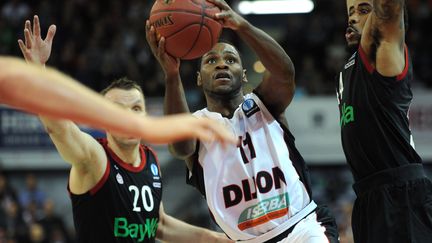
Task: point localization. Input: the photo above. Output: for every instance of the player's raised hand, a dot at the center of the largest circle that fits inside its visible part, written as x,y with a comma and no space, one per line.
175,128
35,49
227,17
170,65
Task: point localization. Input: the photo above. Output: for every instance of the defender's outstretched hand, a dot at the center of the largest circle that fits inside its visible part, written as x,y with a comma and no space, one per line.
36,50
185,126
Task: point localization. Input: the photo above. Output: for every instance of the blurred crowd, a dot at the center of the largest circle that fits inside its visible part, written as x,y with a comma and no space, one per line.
28,216
98,41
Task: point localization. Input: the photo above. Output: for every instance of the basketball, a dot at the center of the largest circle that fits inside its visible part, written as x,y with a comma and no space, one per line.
187,25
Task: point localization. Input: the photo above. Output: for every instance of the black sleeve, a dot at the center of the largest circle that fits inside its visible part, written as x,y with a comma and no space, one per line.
326,218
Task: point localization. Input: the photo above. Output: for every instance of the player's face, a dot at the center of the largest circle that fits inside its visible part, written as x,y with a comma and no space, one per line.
132,100
358,11
221,71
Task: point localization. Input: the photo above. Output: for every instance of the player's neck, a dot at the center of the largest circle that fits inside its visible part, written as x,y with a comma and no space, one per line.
127,153
225,107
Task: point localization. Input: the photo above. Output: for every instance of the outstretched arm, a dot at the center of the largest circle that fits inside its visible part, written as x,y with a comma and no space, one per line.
76,147
175,99
383,37
277,88
56,95
174,230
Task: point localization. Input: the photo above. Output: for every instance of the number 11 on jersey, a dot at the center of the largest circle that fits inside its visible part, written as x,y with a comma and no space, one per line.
242,146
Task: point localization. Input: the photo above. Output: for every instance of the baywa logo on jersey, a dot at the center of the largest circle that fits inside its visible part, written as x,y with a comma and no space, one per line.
347,114
264,211
125,229
249,107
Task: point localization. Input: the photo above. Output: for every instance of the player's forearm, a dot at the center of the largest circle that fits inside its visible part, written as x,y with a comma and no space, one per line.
175,102
389,10
269,52
55,126
52,94
175,98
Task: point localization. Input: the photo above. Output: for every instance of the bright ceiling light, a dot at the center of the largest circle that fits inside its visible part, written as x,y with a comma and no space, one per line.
275,6
259,67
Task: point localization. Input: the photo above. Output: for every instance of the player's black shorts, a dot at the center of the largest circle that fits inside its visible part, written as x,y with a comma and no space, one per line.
393,206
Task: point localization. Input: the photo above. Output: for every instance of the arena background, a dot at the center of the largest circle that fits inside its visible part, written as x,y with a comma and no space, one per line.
98,41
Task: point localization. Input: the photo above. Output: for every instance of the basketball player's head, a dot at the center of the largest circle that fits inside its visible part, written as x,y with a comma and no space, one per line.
358,12
128,94
221,71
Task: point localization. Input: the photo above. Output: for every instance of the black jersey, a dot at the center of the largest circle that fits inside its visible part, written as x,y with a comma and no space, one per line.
374,117
124,205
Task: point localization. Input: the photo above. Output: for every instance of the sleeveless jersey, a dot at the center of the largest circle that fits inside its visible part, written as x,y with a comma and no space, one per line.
124,205
254,188
374,117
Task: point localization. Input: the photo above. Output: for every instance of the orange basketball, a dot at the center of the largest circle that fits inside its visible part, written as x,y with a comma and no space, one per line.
187,25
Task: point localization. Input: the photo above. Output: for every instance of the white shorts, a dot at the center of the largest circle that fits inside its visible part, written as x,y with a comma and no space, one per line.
307,230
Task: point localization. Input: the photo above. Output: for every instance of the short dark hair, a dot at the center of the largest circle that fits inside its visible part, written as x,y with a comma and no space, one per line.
224,42
122,83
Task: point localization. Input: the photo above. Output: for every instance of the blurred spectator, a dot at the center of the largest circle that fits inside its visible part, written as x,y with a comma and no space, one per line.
37,234
7,193
15,225
7,37
7,197
31,199
31,193
32,212
53,225
15,12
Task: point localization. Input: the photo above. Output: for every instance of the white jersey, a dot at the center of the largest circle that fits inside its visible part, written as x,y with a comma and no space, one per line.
254,188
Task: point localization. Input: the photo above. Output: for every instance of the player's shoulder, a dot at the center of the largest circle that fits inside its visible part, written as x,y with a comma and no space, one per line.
103,142
201,113
149,149
208,114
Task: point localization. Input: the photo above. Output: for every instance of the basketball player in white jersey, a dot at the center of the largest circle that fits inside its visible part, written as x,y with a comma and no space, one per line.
258,191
